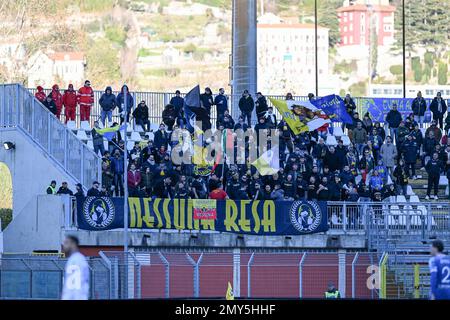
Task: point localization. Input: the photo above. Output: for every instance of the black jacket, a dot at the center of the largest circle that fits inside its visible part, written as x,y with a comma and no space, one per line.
434,107
141,112
261,106
246,104
51,106
393,118
419,106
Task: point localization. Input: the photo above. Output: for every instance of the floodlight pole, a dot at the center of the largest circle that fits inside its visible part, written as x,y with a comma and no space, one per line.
125,174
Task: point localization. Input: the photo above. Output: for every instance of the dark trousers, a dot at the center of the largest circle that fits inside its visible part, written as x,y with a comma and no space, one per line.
247,115
413,168
99,147
118,183
433,182
440,120
144,123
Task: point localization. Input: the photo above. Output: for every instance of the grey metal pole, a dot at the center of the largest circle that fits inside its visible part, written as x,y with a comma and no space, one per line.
125,176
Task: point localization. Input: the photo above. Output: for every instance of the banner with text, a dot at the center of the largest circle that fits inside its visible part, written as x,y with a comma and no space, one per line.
242,216
379,107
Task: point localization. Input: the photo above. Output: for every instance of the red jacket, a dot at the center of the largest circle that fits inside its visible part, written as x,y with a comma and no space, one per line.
70,98
134,178
85,96
57,96
40,94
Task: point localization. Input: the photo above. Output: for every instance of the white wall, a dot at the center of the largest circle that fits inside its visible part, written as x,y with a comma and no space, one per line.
30,168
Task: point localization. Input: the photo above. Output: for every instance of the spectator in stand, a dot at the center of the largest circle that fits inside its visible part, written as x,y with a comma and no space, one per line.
117,167
40,94
134,181
120,102
409,151
366,164
418,137
389,191
85,99
388,153
97,139
246,105
50,104
376,142
64,189
94,191
401,173
207,100
178,102
289,96
225,120
419,106
79,194
271,118
261,106
402,133
140,115
161,137
70,103
58,99
51,189
437,133
393,118
221,102
439,108
218,193
353,125
169,116
359,135
433,167
367,122
335,189
350,105
108,104
107,177
376,182
163,189
429,145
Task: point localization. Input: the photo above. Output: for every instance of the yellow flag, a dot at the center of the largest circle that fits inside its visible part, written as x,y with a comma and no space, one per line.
229,295
293,122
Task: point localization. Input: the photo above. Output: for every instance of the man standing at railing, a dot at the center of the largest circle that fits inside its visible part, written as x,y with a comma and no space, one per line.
70,103
439,265
85,100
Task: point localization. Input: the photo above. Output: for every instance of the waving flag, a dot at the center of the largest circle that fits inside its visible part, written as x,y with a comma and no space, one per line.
305,120
109,133
191,103
229,295
268,163
334,108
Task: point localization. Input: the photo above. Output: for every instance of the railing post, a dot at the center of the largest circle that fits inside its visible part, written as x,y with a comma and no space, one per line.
237,272
300,275
82,166
197,277
167,274
429,218
49,137
250,261
354,275
344,217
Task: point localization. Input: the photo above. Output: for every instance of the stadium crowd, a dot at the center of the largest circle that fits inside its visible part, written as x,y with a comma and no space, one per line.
375,164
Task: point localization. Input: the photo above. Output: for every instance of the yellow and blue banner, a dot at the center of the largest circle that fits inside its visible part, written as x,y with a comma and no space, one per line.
109,133
234,216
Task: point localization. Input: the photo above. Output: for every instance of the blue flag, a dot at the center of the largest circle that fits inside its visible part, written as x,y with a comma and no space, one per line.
109,133
334,108
191,104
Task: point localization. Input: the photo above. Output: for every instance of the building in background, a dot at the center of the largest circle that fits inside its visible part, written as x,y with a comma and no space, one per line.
286,56
355,22
46,69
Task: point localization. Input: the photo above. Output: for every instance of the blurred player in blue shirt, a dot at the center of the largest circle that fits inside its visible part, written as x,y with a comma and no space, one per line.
439,272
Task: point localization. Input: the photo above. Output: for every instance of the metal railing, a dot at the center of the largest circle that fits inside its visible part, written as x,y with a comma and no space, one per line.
156,101
20,109
42,278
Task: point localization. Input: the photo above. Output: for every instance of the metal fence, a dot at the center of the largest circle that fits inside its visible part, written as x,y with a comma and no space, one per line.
19,108
169,274
157,100
42,278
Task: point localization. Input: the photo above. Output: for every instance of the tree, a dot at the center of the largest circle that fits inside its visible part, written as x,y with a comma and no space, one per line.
327,17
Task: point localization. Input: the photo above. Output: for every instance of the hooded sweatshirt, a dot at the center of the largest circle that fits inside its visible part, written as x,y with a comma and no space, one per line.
40,94
57,96
108,100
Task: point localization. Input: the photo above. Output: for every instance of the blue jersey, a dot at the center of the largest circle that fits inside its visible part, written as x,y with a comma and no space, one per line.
440,277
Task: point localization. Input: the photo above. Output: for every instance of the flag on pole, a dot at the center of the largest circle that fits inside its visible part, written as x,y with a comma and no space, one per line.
109,133
300,116
229,294
334,108
269,162
191,102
